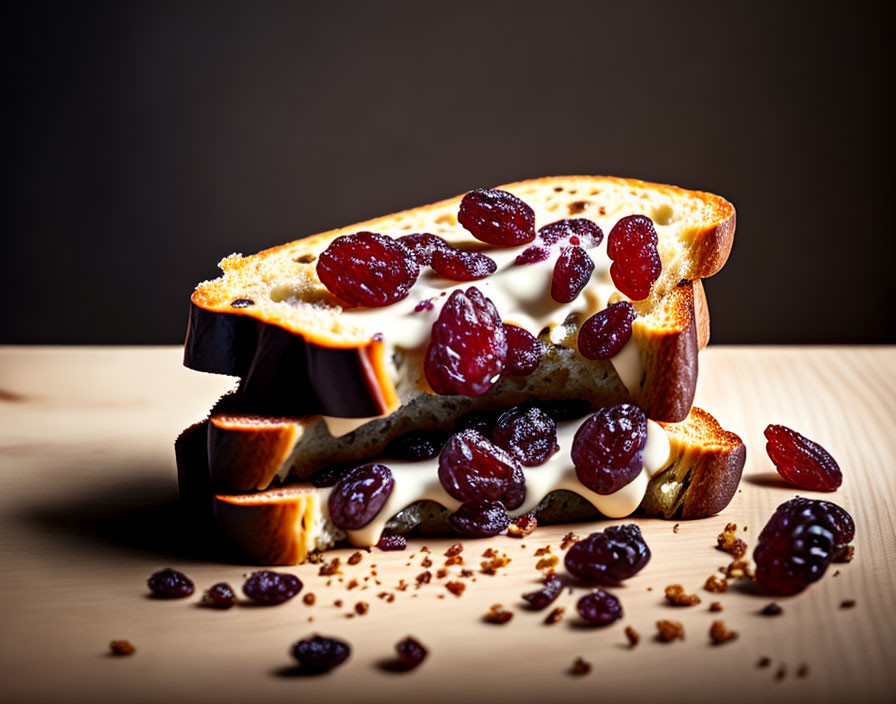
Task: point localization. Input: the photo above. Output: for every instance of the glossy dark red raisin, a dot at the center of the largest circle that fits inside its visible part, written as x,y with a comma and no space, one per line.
801,462
608,448
417,445
392,543
472,468
609,556
458,265
523,351
411,653
580,231
270,588
532,255
480,519
632,246
599,608
421,245
605,333
572,271
367,269
527,433
219,596
497,217
544,597
359,496
169,584
798,543
319,654
467,347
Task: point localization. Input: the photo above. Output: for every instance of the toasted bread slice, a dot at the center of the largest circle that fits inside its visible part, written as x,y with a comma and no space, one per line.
698,478
248,451
270,321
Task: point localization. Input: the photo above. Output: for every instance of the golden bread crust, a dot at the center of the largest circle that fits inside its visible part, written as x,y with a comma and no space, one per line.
705,474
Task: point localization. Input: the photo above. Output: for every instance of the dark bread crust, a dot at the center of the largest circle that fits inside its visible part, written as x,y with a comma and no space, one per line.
280,371
273,527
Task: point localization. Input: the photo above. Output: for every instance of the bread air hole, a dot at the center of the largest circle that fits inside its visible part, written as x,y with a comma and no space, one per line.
663,215
283,292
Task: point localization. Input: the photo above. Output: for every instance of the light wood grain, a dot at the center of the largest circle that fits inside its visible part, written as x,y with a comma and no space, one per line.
87,512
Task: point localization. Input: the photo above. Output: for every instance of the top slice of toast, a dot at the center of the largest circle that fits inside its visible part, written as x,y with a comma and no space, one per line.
270,321
695,231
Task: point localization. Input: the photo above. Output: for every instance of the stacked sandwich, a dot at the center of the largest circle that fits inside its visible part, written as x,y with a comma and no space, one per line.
519,355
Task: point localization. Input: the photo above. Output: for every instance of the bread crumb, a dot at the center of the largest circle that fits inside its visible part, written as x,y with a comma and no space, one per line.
542,551
489,552
441,573
730,543
454,549
764,662
352,584
426,562
423,578
771,609
632,635
330,568
667,631
522,526
338,603
567,540
402,585
675,527
354,558
803,671
847,603
554,616
846,554
739,569
122,647
675,595
715,607
716,585
719,634
547,563
496,563
456,588
781,673
580,667
361,608
309,599
497,614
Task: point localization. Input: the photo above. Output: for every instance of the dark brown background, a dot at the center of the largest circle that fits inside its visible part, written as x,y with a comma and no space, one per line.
146,141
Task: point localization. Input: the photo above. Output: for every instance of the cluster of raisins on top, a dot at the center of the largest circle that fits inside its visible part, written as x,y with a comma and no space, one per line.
481,464
471,348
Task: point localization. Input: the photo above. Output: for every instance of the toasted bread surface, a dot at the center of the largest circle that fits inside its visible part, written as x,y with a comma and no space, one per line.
696,232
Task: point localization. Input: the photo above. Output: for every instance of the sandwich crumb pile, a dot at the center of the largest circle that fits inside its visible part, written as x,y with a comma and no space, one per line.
518,356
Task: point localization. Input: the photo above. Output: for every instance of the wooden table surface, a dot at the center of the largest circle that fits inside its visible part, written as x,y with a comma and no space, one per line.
88,510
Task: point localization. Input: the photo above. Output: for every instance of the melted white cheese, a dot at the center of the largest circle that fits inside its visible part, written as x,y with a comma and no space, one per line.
418,481
522,296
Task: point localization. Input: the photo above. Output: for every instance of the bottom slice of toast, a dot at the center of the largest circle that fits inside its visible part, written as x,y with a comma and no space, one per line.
697,477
